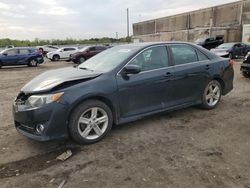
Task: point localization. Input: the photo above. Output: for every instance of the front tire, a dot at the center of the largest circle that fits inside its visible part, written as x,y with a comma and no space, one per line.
211,95
90,122
32,63
81,60
55,58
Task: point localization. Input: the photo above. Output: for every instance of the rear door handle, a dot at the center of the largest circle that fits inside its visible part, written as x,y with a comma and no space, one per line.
207,67
168,74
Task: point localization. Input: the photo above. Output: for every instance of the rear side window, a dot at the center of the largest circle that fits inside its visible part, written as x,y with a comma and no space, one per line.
152,58
201,56
69,49
183,54
24,51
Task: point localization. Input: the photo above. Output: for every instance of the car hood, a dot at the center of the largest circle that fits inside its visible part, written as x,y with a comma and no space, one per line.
50,79
78,53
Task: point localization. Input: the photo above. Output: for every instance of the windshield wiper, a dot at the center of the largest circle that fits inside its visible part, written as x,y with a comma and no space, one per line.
85,68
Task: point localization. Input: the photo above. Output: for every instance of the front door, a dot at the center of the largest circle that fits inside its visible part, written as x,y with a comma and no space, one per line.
146,91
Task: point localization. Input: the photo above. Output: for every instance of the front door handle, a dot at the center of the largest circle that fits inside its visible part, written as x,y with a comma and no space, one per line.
207,67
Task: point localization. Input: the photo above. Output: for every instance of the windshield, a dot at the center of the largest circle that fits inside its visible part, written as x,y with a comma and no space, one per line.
200,40
226,46
2,52
83,49
109,59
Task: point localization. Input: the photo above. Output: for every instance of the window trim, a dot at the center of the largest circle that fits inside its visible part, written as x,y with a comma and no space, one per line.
195,49
145,49
29,51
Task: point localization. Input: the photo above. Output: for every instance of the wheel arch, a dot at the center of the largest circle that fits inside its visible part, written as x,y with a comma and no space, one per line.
222,83
103,99
30,59
56,55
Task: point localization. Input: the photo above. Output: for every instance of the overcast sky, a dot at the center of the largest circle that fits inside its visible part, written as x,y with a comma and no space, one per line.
47,19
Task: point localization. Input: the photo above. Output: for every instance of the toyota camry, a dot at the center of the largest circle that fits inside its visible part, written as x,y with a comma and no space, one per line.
120,85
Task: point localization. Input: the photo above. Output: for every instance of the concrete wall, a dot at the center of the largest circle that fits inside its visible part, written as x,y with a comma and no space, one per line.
222,20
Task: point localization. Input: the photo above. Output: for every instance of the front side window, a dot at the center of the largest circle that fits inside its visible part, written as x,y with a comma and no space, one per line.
152,58
92,49
183,54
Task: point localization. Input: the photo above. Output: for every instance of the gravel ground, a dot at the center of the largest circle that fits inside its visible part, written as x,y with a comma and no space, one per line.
185,148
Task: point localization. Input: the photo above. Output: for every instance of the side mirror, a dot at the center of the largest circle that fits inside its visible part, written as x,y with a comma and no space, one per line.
131,69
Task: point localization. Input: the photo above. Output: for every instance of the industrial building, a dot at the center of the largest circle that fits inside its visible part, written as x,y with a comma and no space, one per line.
228,21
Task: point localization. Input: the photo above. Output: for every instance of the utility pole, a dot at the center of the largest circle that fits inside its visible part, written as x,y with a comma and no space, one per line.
116,34
127,23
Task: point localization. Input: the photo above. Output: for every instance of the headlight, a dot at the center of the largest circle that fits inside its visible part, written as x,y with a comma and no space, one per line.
36,101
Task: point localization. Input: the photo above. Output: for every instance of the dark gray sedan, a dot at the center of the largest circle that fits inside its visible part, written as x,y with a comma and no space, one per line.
122,84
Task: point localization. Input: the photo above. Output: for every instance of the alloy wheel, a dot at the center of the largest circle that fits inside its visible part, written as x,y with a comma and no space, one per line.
213,94
82,59
93,123
33,63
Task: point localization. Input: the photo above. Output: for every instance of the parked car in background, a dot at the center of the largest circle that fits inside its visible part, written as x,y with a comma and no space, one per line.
62,53
20,56
231,50
86,53
122,84
245,66
47,48
209,43
10,46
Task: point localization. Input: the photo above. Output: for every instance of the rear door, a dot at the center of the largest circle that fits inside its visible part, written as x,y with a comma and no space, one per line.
67,52
151,89
192,72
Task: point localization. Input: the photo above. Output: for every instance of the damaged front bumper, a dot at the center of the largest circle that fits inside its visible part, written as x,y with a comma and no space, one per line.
42,124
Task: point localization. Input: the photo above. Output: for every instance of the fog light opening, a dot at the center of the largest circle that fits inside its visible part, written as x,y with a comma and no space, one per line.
40,128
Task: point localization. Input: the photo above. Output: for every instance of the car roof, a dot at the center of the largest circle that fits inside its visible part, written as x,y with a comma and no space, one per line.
148,44
143,45
22,48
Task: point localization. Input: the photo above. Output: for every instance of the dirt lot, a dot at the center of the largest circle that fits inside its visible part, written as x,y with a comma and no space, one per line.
186,148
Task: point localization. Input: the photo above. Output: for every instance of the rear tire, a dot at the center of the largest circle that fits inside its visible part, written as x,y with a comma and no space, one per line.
90,122
246,74
211,95
56,58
